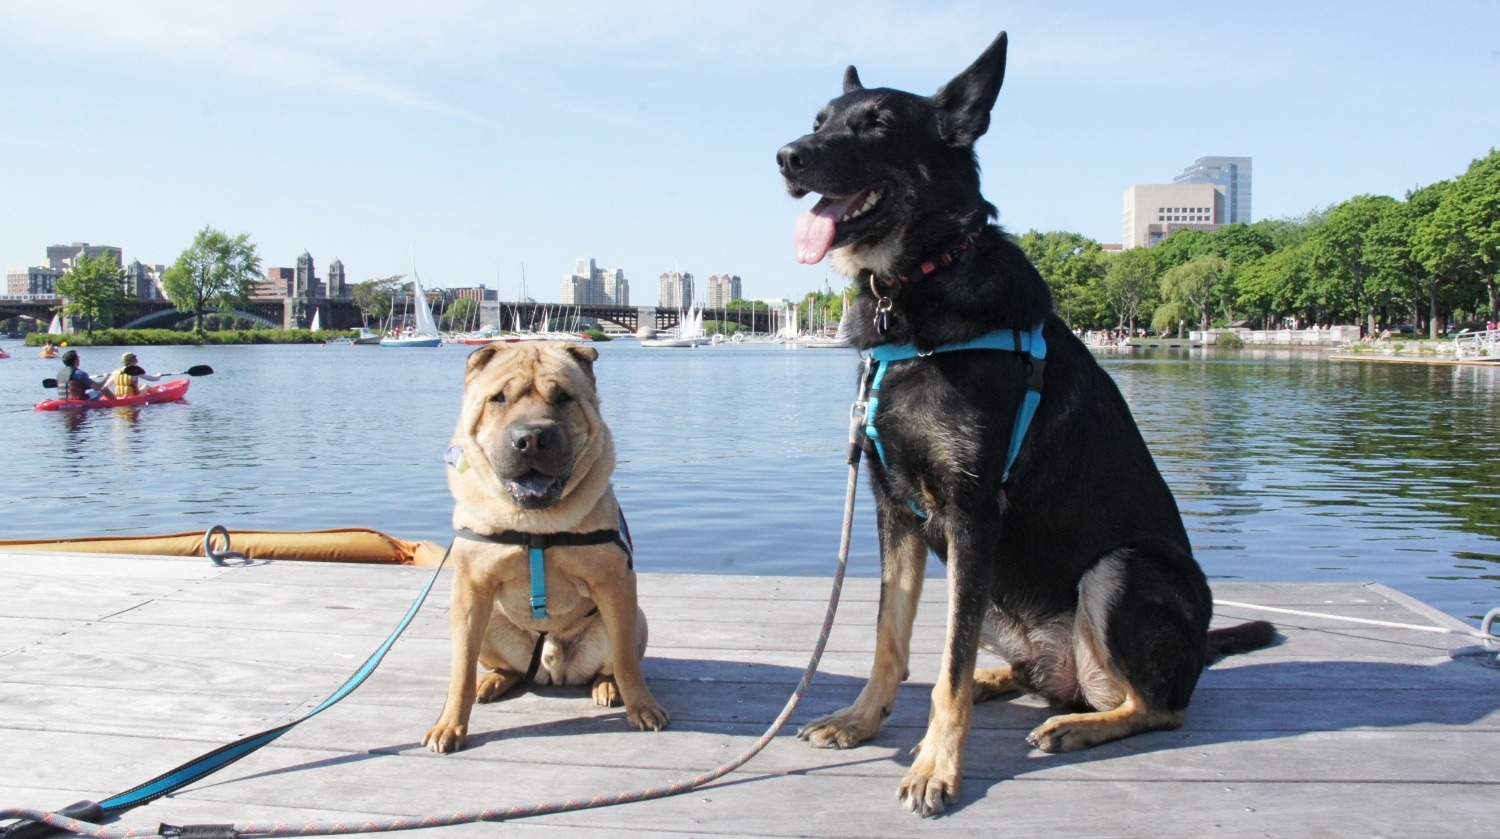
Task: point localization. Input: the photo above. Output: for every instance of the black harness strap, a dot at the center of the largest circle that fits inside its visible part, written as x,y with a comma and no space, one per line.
555,540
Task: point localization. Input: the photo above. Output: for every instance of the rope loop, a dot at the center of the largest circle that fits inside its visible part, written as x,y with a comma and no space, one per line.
220,557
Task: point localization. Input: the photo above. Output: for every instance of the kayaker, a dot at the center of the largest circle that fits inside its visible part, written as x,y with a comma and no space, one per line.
126,384
74,383
48,350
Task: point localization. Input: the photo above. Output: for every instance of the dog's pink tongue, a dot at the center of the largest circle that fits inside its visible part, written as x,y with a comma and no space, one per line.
815,228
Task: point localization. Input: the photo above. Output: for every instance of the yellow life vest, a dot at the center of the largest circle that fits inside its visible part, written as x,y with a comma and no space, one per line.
125,384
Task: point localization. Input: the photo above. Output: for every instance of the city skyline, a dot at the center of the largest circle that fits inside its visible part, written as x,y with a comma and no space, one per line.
484,138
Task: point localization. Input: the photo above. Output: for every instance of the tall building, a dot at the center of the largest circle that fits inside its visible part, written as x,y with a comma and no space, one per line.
591,285
1155,211
305,282
144,281
336,286
616,287
33,279
723,288
1230,173
276,286
62,257
676,290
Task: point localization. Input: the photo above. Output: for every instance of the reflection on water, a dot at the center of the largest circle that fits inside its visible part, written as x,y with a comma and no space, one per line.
1287,466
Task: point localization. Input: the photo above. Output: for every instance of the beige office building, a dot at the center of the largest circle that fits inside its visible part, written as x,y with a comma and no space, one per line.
1155,211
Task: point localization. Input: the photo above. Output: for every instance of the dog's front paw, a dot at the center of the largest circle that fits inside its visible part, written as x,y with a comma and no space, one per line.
647,716
840,730
443,738
931,785
606,692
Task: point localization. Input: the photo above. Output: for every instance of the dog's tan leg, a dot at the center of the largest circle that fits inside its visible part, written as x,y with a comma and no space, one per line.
903,562
469,614
497,683
932,782
1071,732
616,600
993,682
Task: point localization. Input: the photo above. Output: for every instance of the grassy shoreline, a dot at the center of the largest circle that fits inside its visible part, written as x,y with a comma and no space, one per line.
172,337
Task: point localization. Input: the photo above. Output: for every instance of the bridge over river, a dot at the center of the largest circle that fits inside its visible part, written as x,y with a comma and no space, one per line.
341,313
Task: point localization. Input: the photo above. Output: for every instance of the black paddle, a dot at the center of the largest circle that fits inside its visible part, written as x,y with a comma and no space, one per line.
132,370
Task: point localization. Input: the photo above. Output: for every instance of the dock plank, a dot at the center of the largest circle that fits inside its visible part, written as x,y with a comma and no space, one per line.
140,663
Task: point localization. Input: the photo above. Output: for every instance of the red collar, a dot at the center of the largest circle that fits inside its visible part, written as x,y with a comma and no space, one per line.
946,257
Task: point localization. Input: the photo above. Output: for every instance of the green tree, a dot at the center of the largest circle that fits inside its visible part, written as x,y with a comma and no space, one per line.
1476,201
373,297
1073,266
1130,285
217,270
1349,279
1194,286
93,289
461,314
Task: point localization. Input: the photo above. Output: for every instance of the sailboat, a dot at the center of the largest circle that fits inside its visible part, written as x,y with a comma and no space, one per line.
426,334
839,340
317,322
57,327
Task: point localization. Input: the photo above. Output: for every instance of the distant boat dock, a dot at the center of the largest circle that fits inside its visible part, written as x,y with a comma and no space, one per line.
116,668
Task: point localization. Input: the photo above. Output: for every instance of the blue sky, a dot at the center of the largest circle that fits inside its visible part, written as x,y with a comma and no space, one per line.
488,135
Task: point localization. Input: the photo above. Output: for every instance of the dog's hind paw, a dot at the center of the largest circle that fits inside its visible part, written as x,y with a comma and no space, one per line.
606,692
648,716
841,730
445,738
927,789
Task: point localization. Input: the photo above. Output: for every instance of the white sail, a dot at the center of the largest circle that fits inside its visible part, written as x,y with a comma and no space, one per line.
56,327
426,326
317,322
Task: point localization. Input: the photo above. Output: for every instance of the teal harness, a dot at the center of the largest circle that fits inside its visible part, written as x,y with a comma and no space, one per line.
538,543
1031,343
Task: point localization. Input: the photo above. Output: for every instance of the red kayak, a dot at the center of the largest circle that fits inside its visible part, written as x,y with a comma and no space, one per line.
166,392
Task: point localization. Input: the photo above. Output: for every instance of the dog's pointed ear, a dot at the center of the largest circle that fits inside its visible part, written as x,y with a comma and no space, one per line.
851,80
585,356
966,101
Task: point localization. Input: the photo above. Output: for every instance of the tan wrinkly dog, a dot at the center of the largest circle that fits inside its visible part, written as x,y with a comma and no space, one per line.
518,386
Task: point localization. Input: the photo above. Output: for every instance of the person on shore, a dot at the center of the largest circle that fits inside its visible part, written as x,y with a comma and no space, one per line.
125,383
74,383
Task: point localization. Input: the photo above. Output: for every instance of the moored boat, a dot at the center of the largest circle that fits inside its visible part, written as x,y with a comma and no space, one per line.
165,392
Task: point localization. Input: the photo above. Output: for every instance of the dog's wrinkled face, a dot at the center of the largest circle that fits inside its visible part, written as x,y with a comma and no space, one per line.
531,409
893,168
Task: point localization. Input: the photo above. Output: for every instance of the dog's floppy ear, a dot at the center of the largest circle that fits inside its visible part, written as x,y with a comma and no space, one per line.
851,80
585,356
966,101
480,357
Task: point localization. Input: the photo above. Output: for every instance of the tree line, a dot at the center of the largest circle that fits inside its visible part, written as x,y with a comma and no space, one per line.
1428,259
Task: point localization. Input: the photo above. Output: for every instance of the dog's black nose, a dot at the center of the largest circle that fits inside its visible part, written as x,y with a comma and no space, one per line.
790,160
533,439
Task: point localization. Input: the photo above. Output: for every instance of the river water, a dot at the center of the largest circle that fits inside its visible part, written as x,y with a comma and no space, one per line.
1287,466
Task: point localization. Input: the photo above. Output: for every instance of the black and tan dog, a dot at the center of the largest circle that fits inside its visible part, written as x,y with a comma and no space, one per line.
1070,562
533,458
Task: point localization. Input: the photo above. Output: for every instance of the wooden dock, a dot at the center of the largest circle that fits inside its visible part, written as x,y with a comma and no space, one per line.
113,669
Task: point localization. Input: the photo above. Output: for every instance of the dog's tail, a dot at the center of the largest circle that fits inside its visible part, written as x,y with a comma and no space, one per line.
1233,640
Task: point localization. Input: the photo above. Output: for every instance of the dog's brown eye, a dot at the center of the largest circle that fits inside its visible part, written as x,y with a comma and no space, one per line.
499,398
561,397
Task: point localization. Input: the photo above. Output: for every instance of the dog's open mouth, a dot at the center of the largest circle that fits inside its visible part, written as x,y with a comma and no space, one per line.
817,227
535,490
